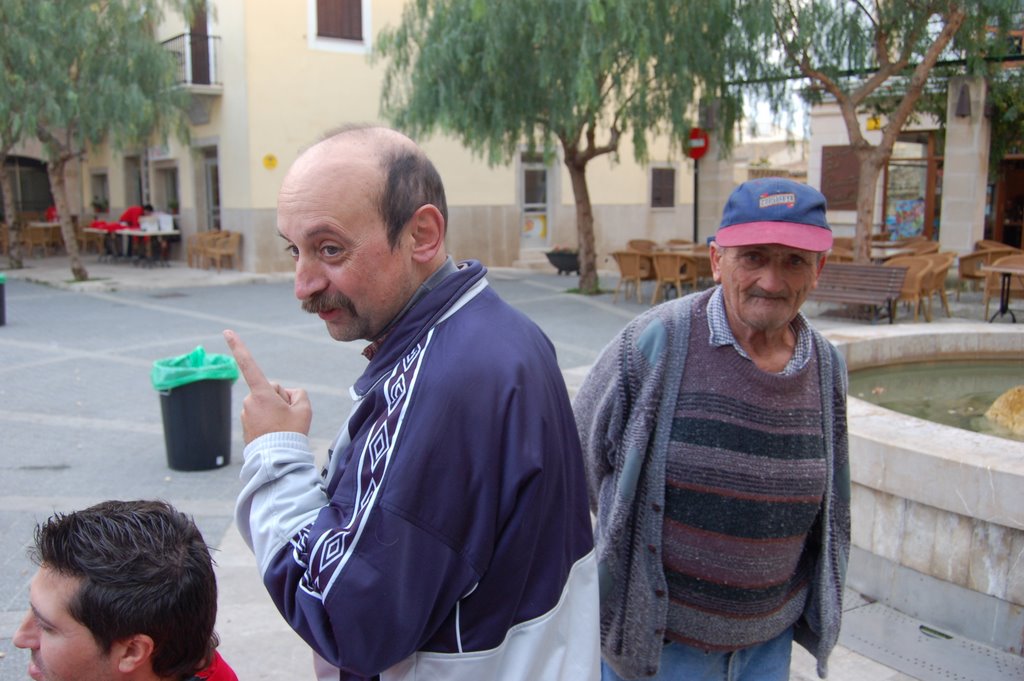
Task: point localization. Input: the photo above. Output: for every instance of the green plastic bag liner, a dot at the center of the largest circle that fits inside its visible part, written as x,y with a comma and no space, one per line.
174,372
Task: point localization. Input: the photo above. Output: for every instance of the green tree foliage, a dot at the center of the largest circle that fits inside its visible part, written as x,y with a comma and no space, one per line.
1004,107
1006,96
574,75
15,118
879,56
96,74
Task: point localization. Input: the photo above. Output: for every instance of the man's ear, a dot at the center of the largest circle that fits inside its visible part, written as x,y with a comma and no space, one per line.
427,229
715,256
822,258
133,653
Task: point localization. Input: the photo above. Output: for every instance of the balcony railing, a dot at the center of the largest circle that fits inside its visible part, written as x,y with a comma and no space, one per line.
198,58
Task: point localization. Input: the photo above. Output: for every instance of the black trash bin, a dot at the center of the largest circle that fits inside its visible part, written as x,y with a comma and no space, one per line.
195,401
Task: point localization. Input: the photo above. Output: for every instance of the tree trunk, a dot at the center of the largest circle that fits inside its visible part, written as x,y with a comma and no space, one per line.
14,256
589,284
55,169
867,189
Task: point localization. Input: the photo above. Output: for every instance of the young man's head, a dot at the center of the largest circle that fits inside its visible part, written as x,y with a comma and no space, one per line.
124,590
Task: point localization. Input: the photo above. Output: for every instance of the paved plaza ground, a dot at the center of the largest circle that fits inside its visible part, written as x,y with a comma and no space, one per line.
81,421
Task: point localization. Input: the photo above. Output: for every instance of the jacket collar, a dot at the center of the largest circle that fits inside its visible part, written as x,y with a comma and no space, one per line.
424,310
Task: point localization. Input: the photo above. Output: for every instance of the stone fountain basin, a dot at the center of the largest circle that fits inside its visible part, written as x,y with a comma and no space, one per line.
937,512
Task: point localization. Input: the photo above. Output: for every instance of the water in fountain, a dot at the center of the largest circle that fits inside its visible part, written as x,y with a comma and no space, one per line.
953,393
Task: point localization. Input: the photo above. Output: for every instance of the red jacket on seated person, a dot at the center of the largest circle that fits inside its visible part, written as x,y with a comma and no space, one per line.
129,218
132,214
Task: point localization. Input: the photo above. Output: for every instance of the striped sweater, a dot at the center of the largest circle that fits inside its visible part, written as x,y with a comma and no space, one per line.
745,474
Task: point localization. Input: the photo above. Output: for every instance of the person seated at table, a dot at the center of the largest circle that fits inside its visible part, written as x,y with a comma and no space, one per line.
110,249
129,220
130,217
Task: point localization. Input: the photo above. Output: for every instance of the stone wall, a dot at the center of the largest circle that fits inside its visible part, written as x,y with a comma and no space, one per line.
937,512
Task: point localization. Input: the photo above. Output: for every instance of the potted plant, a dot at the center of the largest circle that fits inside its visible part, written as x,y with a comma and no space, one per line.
172,206
565,260
99,204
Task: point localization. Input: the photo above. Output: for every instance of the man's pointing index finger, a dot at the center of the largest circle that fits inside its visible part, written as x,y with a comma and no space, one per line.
251,372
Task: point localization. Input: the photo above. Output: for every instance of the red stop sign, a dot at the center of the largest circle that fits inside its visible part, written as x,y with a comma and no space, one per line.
698,144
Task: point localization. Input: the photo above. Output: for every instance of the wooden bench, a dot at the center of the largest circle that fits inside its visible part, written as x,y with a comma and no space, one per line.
875,286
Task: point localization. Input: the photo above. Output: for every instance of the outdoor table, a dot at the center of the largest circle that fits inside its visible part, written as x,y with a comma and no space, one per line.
1007,273
699,252
883,253
110,251
679,248
149,257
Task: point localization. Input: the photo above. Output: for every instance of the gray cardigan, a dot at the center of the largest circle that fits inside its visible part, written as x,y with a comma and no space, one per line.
624,428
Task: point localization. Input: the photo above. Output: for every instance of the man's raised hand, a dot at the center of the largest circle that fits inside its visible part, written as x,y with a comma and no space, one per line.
268,408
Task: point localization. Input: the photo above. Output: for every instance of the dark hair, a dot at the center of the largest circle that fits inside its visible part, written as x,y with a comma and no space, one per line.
410,182
144,569
148,208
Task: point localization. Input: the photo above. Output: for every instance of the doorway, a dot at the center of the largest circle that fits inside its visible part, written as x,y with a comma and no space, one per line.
199,48
211,182
534,233
1004,217
133,191
30,185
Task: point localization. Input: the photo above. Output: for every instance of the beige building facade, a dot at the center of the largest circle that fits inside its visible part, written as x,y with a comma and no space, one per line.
265,83
267,78
940,189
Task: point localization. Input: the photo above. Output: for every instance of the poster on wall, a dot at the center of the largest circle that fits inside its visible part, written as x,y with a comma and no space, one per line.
905,202
905,218
535,231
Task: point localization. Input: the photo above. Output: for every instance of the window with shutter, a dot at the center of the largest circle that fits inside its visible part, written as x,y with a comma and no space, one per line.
663,187
339,19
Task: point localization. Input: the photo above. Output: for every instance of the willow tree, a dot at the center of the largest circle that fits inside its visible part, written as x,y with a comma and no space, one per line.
878,56
15,117
98,75
575,75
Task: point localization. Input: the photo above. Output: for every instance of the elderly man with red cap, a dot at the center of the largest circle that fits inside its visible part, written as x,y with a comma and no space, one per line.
714,434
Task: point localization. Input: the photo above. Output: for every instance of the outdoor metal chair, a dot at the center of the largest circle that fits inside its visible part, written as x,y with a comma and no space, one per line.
935,282
672,269
643,245
634,269
910,294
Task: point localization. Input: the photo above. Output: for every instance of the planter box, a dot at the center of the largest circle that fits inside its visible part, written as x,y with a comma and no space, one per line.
564,262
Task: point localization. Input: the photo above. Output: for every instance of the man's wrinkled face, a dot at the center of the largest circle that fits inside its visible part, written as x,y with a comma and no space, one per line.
62,648
764,286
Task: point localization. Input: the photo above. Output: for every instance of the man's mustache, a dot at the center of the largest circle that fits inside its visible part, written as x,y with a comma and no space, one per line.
323,302
761,293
